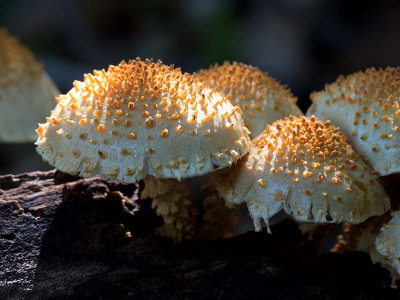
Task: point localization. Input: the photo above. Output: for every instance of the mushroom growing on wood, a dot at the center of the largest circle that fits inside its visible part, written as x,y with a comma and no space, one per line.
144,120
306,167
366,107
26,91
261,98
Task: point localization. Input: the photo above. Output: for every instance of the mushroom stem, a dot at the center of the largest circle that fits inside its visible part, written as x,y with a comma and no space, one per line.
172,200
362,237
218,221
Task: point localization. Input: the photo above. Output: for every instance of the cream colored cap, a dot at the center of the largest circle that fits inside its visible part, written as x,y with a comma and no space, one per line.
388,241
26,92
306,167
365,106
142,118
261,98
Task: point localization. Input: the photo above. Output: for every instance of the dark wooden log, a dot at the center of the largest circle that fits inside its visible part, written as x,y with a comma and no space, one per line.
65,237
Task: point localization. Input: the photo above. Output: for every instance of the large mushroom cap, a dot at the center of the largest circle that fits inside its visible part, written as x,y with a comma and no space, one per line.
142,118
261,98
306,167
366,107
388,241
26,92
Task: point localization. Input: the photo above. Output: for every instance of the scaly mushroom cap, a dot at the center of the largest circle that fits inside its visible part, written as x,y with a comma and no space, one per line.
26,92
365,106
306,167
142,118
261,98
388,241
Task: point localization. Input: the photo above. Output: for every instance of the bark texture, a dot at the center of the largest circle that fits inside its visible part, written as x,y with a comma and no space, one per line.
65,237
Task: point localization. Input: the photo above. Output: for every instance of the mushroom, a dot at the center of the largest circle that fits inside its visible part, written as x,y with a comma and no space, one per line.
307,168
26,91
261,98
366,107
144,120
388,241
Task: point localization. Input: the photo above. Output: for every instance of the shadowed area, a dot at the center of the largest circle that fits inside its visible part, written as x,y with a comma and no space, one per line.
61,236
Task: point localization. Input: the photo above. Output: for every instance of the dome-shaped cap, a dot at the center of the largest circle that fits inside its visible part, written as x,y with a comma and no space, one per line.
365,106
26,92
388,241
142,118
308,168
261,98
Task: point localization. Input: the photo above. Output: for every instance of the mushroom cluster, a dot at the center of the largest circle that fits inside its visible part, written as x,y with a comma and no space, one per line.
143,120
26,91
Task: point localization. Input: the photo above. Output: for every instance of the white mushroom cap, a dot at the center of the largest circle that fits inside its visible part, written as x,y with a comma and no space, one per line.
142,118
365,106
388,241
261,98
26,92
306,167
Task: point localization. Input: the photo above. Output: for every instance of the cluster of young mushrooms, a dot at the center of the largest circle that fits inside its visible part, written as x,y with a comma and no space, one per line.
143,120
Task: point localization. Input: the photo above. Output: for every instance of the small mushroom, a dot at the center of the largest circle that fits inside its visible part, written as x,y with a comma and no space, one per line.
366,107
26,91
261,98
306,167
144,120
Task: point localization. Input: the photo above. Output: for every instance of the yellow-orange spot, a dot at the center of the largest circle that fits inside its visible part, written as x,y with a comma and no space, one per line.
149,122
307,174
261,182
101,127
164,133
145,114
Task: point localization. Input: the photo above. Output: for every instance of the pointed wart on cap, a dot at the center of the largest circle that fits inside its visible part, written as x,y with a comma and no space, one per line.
261,98
306,167
366,107
142,118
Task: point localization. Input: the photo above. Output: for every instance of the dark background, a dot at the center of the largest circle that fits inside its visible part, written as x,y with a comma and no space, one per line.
302,43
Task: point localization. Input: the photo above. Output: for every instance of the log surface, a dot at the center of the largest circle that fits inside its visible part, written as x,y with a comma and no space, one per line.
65,237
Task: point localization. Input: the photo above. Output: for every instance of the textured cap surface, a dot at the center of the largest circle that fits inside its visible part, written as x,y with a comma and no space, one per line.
26,92
261,98
365,106
142,118
306,167
388,241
